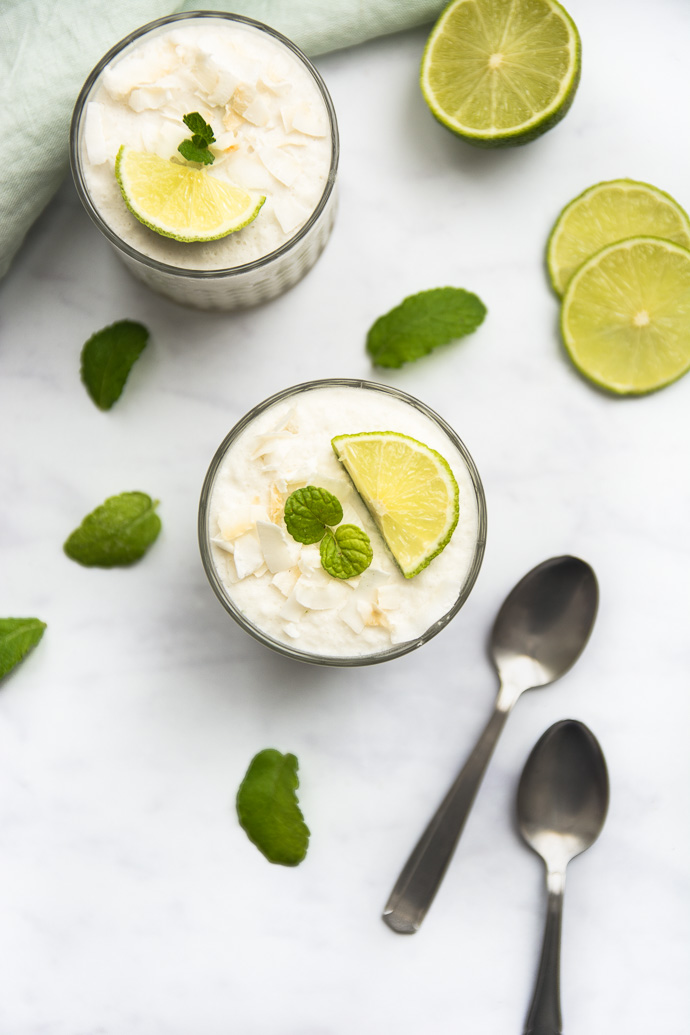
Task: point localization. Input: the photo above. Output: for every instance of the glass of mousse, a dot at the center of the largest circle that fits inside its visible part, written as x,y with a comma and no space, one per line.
276,138
298,447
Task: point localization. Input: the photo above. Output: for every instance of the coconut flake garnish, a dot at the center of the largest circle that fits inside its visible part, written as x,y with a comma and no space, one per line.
149,97
308,121
284,581
388,598
223,544
281,165
309,559
319,594
292,610
290,213
292,630
279,553
258,112
247,555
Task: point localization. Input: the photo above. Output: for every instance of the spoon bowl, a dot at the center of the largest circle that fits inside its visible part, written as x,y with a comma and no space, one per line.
544,623
539,632
562,803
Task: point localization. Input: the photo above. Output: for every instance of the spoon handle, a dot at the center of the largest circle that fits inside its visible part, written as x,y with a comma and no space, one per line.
544,1017
424,870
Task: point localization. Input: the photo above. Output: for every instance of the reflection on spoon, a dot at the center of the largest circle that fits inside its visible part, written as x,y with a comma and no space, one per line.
539,632
562,801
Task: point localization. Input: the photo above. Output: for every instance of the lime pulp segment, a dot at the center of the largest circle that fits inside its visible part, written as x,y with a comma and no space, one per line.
180,201
409,490
501,72
606,213
625,317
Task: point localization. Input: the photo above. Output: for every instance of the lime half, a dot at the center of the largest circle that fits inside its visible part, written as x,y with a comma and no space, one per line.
408,489
625,316
179,201
501,72
609,212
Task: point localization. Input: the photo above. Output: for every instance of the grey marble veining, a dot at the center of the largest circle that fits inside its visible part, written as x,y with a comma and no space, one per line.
131,903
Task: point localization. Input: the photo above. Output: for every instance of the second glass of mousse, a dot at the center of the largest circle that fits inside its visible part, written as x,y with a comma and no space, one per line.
280,589
276,138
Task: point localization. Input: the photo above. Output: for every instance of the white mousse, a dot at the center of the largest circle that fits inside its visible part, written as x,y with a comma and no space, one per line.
280,585
271,124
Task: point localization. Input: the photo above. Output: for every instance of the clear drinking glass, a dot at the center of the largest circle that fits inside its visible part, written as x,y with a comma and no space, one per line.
398,649
237,286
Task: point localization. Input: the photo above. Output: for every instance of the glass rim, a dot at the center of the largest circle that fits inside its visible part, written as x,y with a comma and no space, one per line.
341,661
79,179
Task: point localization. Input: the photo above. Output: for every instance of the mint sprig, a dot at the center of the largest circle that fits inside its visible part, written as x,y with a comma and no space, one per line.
309,514
117,533
346,551
422,322
308,511
268,811
196,149
17,637
107,358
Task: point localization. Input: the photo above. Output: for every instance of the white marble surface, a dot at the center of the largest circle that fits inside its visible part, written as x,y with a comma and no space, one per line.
131,903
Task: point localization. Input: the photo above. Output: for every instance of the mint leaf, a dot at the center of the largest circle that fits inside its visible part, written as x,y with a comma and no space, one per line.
117,533
346,552
17,637
421,322
196,149
193,153
107,358
268,811
308,511
199,127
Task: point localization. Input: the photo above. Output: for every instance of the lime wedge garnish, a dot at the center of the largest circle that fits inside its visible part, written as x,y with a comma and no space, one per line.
626,315
606,213
179,201
408,489
501,72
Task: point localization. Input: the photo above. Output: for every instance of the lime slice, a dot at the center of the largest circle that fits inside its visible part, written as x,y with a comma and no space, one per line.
408,489
179,201
609,212
625,317
501,72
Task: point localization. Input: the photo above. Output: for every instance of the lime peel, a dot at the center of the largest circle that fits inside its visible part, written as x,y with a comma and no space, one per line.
409,490
625,317
604,213
477,70
181,202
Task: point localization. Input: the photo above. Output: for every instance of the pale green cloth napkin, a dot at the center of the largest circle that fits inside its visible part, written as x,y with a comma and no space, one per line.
48,47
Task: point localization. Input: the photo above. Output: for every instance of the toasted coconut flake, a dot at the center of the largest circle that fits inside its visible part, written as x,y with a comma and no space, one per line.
280,164
284,581
247,554
223,544
279,552
388,598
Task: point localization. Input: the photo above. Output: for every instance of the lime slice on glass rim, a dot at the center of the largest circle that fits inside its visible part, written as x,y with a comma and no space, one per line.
501,72
409,490
179,201
625,317
606,213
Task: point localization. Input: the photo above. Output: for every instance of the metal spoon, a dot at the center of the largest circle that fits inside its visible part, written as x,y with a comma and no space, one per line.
538,634
562,801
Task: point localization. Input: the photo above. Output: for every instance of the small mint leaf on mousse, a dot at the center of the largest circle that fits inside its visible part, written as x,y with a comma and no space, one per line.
117,533
308,511
196,149
268,811
346,552
107,358
422,322
17,637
